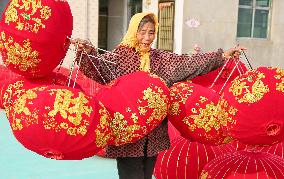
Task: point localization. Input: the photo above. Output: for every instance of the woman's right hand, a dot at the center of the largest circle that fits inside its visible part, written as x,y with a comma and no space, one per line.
84,46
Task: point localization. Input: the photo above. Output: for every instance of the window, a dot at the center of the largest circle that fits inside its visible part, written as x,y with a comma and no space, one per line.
3,4
134,6
166,26
253,18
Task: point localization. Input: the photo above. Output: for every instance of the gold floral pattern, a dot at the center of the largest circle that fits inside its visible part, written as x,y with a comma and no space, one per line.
280,76
27,15
157,101
103,132
179,94
69,108
211,116
122,131
22,56
19,114
250,88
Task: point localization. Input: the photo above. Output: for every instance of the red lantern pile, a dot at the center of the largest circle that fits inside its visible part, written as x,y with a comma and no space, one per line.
258,96
198,114
185,159
33,36
137,102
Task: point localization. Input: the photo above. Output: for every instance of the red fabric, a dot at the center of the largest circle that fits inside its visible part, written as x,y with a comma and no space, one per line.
208,79
137,102
245,165
36,47
185,159
260,115
173,132
6,73
88,85
58,122
194,113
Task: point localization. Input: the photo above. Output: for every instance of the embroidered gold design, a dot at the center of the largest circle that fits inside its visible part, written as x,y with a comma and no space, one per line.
103,132
71,109
179,94
204,175
123,132
19,114
245,93
280,76
27,15
21,55
211,117
157,101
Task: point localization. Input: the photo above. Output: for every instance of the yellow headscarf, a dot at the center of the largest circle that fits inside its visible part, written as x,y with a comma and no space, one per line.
130,38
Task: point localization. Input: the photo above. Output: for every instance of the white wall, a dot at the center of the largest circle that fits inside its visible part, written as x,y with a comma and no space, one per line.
85,23
218,28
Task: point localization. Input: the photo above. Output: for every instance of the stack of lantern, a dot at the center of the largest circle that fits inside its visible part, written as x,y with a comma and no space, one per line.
203,116
51,118
257,95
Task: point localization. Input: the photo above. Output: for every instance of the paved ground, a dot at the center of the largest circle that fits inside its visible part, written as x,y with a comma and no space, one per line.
16,162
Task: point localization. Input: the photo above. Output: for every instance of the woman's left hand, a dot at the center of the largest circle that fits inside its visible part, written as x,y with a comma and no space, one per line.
234,52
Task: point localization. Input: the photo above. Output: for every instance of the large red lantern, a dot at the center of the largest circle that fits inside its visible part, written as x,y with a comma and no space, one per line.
137,102
185,159
198,114
58,122
246,165
258,96
33,35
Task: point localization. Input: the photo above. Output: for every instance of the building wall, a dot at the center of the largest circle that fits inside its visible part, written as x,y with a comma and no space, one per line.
117,13
85,23
218,26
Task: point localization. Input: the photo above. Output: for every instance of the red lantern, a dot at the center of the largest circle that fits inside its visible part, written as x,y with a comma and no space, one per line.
137,102
243,164
185,159
58,122
258,96
33,36
198,114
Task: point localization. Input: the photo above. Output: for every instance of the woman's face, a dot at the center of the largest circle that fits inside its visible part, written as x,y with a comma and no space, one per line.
146,36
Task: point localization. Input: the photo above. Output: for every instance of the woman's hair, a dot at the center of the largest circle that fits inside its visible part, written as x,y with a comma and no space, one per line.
145,20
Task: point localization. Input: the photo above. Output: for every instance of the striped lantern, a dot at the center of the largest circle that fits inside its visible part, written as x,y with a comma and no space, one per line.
245,165
185,159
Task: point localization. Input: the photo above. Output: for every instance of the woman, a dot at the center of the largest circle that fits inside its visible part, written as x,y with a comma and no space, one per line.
133,54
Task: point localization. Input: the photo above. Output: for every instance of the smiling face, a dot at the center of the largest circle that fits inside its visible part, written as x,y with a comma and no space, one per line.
146,36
